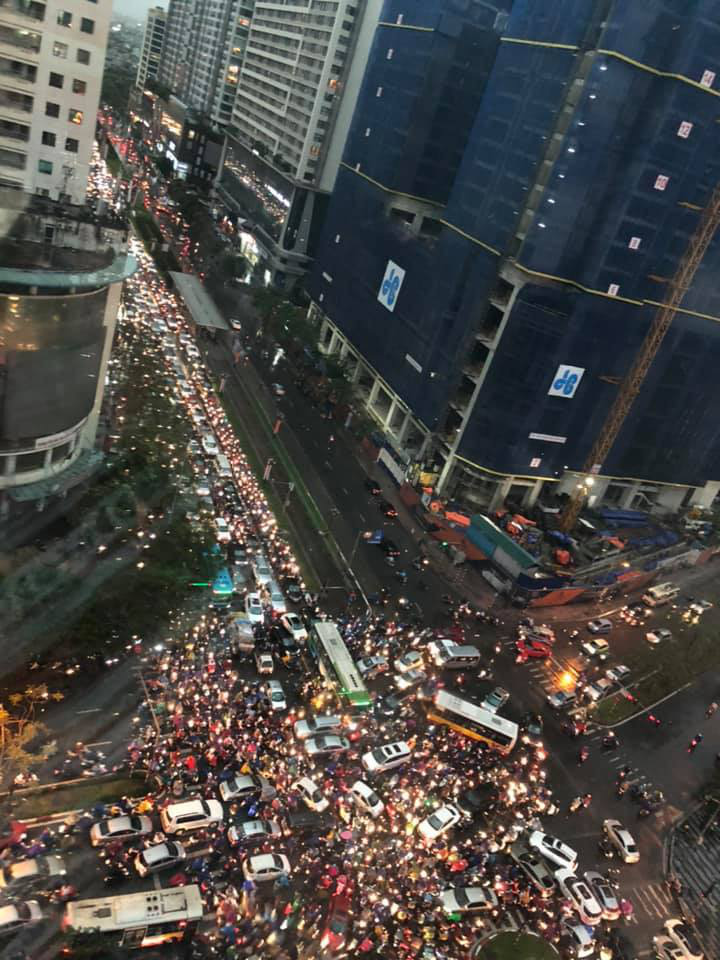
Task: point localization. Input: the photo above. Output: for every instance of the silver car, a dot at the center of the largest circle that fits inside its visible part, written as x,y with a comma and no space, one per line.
326,744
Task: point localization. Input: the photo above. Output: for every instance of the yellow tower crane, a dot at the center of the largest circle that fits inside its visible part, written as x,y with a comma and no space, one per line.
632,382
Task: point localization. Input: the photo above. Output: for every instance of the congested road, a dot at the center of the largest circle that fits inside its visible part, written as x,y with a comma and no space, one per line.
377,855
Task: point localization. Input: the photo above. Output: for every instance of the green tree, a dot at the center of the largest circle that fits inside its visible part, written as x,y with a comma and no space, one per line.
21,735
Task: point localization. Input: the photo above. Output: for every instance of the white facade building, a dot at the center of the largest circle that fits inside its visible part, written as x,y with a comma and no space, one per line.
52,57
152,46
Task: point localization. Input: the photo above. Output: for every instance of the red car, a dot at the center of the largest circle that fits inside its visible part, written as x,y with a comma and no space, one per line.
338,922
527,648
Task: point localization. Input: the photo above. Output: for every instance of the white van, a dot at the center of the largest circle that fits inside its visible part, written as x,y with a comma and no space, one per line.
223,466
450,656
387,757
277,599
262,571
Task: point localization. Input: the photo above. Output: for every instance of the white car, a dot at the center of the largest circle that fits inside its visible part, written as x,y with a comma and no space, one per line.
254,608
120,828
412,660
202,488
191,815
36,872
369,667
622,840
659,635
210,445
326,744
294,626
601,625
534,868
311,794
468,900
619,674
222,530
553,849
313,726
16,915
580,895
266,866
386,757
596,647
366,799
562,699
247,786
580,938
439,822
409,679
667,949
161,856
684,936
604,894
254,831
276,695
599,689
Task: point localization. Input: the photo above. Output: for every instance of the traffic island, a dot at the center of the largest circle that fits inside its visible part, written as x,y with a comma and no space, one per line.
515,946
47,800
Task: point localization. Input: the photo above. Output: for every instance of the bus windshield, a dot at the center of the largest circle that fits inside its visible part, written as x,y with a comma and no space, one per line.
337,666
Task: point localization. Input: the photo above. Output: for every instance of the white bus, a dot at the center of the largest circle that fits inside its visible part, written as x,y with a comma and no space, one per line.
337,666
473,721
147,919
659,594
223,466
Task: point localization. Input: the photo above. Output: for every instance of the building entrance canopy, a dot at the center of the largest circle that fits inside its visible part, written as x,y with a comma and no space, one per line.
198,302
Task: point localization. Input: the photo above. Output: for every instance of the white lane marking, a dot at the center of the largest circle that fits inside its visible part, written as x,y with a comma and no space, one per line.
91,710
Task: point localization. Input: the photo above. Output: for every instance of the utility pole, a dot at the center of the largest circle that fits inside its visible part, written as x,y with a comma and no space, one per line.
268,468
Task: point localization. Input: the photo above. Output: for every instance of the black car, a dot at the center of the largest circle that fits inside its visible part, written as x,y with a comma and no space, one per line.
532,724
622,948
389,706
373,486
389,548
386,508
290,650
478,802
293,590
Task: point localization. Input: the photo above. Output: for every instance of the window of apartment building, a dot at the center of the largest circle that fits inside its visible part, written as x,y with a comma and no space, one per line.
48,138
52,109
83,56
87,25
64,18
60,50
45,166
75,116
56,80
79,86
72,145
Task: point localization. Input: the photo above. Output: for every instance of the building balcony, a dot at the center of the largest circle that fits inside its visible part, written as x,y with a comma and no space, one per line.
24,9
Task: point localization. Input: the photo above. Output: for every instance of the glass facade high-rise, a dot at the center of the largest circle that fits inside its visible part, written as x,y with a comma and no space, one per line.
519,185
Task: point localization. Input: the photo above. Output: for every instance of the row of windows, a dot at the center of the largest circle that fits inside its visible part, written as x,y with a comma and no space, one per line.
74,116
65,19
62,49
49,139
58,80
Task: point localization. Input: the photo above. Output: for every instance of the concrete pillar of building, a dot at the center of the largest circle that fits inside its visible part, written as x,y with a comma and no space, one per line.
598,491
47,462
374,391
335,343
533,492
355,369
671,498
628,495
10,464
325,328
112,306
501,491
704,496
344,349
390,414
402,431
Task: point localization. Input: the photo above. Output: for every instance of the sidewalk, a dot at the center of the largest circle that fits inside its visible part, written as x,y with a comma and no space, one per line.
693,851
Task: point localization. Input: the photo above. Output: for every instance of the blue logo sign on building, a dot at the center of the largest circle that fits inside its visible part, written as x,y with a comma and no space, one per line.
566,381
390,286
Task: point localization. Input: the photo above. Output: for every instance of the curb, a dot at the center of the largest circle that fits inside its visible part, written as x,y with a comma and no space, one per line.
639,713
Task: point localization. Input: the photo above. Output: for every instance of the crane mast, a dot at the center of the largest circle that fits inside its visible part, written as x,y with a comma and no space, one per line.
634,378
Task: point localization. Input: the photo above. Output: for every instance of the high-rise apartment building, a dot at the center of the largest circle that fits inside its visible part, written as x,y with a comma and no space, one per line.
519,186
51,67
203,49
296,92
152,47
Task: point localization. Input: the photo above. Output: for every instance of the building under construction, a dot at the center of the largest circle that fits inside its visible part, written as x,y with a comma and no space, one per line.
522,186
